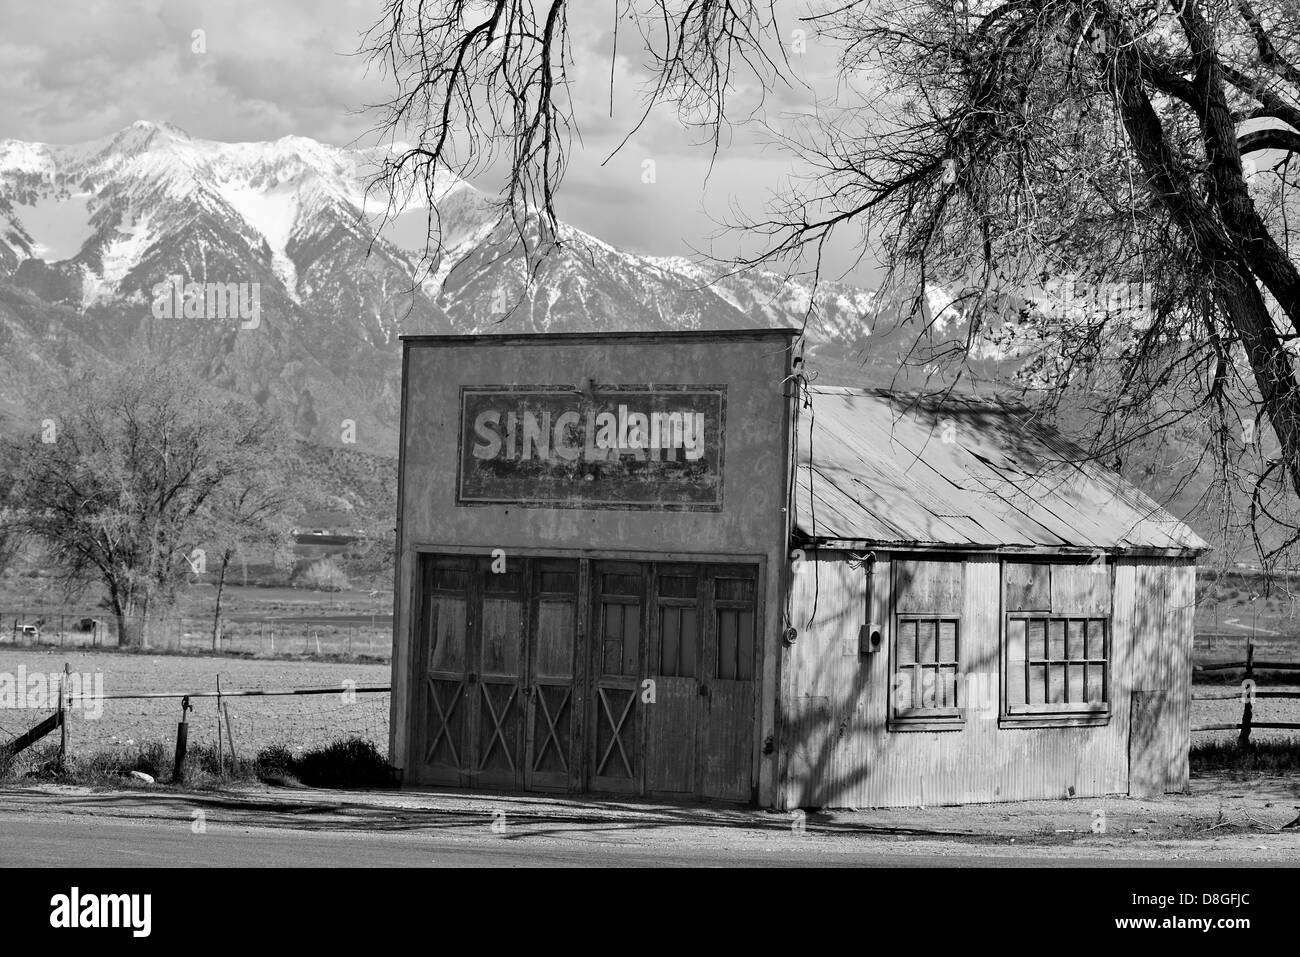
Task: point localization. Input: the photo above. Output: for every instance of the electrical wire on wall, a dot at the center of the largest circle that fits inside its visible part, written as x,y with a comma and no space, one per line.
803,399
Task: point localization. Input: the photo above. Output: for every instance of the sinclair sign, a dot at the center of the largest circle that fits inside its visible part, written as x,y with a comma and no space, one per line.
624,446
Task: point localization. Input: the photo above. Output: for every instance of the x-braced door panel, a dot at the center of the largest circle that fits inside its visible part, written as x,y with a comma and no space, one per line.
497,713
446,620
618,592
553,763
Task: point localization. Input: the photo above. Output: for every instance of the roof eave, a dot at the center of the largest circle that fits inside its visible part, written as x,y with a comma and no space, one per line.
1123,551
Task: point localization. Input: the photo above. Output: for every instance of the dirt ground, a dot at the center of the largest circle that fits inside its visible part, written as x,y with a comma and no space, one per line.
1222,820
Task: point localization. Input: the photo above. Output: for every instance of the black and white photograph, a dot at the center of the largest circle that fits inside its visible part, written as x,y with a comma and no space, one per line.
825,435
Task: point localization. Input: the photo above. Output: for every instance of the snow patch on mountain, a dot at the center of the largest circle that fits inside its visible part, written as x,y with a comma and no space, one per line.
58,227
272,213
120,255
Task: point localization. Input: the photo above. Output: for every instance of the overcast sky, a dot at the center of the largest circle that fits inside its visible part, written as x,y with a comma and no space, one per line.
75,71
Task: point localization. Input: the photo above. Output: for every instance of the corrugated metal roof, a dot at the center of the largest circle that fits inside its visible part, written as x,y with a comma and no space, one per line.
891,468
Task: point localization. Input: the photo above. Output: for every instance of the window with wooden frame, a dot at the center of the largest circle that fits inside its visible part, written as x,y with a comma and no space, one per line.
677,608
925,647
1057,643
733,609
686,597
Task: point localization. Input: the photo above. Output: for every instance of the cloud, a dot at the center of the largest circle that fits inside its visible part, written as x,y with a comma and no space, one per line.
76,71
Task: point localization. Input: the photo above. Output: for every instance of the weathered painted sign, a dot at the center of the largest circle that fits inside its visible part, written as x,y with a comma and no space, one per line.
625,446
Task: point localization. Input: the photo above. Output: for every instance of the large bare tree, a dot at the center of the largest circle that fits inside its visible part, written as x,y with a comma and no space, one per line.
997,148
124,474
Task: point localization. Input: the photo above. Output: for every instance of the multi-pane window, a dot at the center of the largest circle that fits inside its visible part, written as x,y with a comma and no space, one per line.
688,601
620,623
925,669
925,656
1057,641
733,604
679,625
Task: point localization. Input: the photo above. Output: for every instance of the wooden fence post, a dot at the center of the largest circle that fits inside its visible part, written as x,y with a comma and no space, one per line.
1247,710
182,739
230,736
221,751
63,717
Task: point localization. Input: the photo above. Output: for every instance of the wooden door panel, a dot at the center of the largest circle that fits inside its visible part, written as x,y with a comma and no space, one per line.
616,766
728,742
497,755
443,751
617,646
551,699
444,742
732,655
671,725
672,720
498,677
552,748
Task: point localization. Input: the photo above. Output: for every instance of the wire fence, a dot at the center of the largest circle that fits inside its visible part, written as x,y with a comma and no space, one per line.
359,636
242,722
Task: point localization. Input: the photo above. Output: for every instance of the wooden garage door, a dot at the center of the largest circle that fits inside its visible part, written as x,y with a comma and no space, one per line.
672,720
473,648
553,700
731,653
674,684
615,759
441,739
497,681
647,688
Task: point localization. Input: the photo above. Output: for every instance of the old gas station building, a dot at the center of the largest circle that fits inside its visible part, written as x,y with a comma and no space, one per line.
664,564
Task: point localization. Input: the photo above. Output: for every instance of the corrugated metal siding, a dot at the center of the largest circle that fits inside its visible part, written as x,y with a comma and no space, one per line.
1164,608
875,466
837,750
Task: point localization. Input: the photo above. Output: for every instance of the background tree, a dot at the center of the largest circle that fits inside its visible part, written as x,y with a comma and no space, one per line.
371,559
119,487
253,508
995,147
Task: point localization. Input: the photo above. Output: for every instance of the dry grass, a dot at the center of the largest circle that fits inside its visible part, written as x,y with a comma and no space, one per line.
1278,755
348,763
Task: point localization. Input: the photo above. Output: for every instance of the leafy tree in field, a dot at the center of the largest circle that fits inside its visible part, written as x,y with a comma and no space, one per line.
140,463
995,147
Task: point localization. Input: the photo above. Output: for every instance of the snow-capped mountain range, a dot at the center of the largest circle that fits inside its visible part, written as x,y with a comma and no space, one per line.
88,232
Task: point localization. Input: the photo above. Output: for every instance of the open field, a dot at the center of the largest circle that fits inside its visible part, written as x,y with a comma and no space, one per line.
256,621
295,722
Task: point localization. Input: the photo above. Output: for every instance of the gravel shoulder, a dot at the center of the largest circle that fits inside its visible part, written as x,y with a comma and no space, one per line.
1223,820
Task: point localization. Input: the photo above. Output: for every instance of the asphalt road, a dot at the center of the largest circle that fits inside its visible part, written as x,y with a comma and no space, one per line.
74,841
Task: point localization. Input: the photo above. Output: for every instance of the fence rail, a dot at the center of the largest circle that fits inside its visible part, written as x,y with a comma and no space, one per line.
1257,666
237,693
1248,693
249,725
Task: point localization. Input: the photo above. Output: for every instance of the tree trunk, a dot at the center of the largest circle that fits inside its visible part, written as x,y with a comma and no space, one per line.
1269,361
130,628
1226,259
221,584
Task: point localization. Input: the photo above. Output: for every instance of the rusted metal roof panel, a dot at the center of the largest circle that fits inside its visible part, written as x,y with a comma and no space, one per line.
900,469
